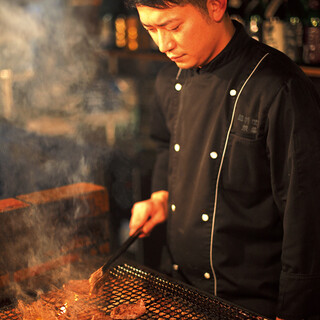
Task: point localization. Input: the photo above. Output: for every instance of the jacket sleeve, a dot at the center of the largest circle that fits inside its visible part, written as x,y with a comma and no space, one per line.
294,149
161,136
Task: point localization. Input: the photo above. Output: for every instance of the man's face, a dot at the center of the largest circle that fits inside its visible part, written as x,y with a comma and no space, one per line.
186,35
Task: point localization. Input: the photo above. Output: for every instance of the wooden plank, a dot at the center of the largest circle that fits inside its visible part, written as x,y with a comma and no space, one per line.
60,193
24,274
52,228
12,204
94,196
311,71
4,280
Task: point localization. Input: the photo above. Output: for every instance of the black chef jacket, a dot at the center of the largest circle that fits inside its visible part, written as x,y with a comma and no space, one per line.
238,149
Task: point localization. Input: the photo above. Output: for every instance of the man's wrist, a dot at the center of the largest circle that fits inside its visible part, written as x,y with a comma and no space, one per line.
161,196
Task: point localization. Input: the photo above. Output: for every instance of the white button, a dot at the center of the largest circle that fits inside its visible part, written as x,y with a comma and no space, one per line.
175,267
205,217
233,92
173,208
207,275
213,155
177,147
178,86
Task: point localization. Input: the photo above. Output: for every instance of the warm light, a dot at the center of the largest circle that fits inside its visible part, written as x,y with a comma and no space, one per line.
133,45
63,309
315,22
120,26
5,74
254,26
294,20
132,33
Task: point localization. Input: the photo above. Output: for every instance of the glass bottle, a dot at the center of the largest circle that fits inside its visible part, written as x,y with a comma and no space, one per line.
293,29
254,16
311,39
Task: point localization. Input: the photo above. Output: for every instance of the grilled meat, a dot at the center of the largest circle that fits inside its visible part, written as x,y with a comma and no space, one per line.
128,310
100,316
81,287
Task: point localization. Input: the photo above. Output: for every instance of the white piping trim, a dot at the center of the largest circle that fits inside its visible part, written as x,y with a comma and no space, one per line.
178,74
220,168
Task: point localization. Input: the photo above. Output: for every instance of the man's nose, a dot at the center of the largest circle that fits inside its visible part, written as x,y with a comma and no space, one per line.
165,41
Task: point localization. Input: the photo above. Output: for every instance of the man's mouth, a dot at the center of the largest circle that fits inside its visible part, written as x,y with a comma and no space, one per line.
175,58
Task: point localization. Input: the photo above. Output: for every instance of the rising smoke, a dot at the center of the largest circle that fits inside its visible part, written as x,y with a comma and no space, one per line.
52,56
45,39
53,64
51,61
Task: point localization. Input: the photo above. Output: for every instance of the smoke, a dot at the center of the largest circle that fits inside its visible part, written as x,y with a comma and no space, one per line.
18,31
53,64
51,53
58,93
45,39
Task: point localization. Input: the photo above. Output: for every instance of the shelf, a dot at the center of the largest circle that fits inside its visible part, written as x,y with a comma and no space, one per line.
126,54
310,71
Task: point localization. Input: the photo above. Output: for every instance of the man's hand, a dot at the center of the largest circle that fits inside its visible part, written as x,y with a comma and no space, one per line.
149,213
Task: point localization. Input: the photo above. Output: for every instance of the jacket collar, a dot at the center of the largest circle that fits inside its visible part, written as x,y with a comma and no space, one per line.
233,48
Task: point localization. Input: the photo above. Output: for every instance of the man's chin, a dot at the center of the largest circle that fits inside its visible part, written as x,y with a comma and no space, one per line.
184,65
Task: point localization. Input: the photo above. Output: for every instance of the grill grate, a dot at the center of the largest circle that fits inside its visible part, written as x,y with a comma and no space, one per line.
164,298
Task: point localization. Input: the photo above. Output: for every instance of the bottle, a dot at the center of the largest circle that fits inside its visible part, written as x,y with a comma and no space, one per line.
235,10
283,27
311,39
254,16
132,24
120,31
107,31
273,33
293,29
113,24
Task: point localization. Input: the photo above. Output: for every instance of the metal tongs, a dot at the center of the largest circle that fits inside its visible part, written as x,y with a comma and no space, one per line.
98,278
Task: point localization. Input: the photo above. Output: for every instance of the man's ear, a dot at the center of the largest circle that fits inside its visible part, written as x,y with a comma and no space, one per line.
216,9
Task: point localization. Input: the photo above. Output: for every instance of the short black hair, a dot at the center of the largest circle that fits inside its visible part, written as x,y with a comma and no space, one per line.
163,4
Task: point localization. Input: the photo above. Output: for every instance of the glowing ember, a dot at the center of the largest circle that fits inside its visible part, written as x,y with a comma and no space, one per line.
63,309
65,304
37,310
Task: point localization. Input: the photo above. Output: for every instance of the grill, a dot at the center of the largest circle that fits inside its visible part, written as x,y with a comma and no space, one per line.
163,297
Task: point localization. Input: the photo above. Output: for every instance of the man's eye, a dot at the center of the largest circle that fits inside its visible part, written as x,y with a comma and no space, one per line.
174,28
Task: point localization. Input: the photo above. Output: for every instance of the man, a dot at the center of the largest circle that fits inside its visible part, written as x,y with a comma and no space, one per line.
237,175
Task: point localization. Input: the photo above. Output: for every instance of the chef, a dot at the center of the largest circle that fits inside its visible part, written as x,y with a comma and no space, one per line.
237,174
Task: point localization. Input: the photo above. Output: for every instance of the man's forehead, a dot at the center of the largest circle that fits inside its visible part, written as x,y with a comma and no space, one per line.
159,16
160,24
